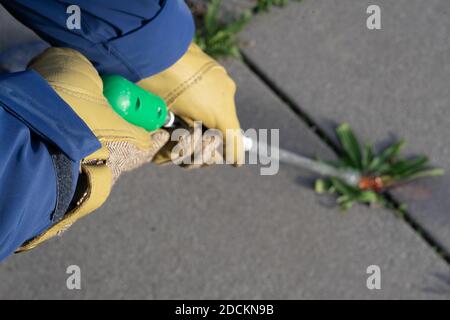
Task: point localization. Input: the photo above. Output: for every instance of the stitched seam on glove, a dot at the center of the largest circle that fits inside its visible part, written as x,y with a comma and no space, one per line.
78,94
65,55
185,85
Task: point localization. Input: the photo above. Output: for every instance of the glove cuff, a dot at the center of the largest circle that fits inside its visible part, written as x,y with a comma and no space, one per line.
96,189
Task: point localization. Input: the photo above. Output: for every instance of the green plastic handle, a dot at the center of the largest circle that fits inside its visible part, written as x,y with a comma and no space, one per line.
136,105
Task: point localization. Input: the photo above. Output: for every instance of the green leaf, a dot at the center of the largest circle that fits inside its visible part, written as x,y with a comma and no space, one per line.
408,164
343,188
404,168
387,155
238,25
436,172
266,5
211,20
367,156
350,144
392,151
368,197
384,168
319,186
346,205
344,198
402,208
219,39
376,162
323,185
384,165
235,52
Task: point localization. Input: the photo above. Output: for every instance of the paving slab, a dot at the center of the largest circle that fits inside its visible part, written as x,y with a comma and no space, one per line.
388,83
231,233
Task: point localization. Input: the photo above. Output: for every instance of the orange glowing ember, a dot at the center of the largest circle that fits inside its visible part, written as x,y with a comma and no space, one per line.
371,183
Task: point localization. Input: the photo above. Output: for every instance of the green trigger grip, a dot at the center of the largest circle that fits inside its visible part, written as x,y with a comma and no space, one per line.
134,104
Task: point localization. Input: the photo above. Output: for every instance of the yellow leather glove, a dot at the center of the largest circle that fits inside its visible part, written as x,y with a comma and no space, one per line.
197,88
124,146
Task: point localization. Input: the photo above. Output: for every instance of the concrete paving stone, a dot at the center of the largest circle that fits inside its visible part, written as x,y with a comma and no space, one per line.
231,233
388,83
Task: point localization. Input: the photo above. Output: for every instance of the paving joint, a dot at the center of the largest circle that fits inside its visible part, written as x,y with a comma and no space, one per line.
323,136
423,234
283,96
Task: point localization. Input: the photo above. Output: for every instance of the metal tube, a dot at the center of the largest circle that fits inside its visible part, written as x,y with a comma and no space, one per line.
351,177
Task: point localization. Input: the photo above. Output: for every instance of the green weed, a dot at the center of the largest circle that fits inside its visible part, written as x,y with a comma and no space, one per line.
379,171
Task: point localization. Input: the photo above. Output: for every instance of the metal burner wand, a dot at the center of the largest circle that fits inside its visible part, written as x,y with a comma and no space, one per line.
350,177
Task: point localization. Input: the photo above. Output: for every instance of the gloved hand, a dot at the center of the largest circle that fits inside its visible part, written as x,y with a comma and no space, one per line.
197,88
124,146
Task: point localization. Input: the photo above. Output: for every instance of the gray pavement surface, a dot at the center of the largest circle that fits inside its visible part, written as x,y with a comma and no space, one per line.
388,83
231,233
